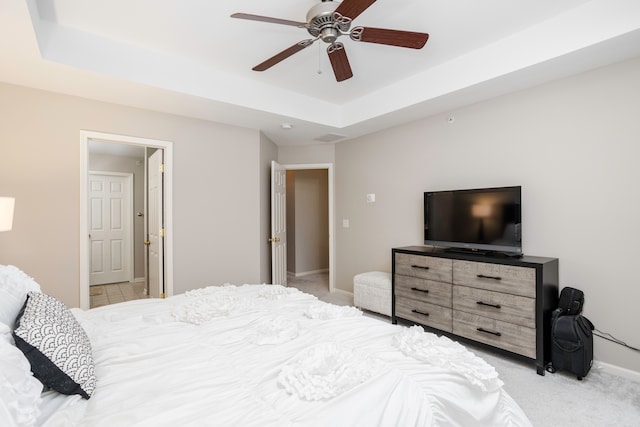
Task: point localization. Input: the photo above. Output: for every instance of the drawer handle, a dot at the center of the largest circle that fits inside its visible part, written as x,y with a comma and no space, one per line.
419,312
482,276
488,304
419,266
426,291
498,334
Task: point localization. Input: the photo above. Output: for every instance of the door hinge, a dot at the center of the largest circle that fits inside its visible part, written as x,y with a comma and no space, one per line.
161,167
162,295
162,232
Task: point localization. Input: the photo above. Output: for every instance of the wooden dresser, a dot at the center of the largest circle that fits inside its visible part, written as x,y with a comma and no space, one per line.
502,302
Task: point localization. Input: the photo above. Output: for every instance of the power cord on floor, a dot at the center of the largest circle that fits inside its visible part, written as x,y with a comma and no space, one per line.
613,339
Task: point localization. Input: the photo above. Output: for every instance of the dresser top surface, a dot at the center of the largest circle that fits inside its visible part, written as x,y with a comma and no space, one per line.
525,260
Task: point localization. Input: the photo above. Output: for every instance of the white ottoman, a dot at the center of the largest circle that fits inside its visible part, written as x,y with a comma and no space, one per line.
372,291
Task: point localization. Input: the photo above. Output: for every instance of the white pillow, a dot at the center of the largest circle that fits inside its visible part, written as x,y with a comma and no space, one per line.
19,389
14,285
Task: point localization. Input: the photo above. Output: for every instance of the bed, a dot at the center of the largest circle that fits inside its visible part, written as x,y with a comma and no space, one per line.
250,355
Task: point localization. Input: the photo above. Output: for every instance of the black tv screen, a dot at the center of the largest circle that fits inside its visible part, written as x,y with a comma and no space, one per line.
486,219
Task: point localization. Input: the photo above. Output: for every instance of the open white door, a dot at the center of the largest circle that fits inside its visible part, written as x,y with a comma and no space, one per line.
278,237
165,201
155,239
109,227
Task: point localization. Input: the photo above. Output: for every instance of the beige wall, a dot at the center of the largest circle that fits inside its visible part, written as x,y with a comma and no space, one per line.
216,233
135,166
312,221
573,145
291,221
321,153
307,221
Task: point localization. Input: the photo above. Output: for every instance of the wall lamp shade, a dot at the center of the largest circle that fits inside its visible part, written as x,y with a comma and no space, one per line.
6,213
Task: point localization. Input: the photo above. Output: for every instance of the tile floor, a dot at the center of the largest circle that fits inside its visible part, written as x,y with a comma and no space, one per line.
115,292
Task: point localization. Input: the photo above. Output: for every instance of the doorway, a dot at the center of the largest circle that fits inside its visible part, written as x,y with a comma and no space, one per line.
307,222
123,144
317,262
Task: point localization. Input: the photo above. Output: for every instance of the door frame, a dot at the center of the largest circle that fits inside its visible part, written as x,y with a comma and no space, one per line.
167,146
129,220
329,168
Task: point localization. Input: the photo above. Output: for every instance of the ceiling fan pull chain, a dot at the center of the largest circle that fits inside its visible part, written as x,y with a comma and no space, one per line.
319,59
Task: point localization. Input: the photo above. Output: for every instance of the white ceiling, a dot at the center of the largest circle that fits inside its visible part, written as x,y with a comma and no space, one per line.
190,58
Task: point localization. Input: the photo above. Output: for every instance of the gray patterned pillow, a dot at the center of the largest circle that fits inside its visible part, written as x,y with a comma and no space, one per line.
56,345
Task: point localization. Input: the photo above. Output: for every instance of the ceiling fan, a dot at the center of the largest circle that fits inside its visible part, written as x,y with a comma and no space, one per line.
329,20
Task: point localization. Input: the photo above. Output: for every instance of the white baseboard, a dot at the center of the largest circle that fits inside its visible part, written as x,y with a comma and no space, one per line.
307,273
340,291
617,370
138,279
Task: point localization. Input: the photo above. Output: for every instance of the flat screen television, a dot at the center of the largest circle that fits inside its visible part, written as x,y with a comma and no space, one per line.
484,219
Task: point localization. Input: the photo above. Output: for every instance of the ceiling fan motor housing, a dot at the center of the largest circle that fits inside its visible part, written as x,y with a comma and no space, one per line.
322,21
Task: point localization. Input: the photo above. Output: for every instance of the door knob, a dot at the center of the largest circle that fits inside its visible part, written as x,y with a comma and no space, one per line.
147,243
274,239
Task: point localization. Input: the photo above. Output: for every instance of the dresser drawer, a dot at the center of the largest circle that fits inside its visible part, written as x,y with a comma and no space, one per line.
508,336
496,305
439,269
496,277
424,313
423,289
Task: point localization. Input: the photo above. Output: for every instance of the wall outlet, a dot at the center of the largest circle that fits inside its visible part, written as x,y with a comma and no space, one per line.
345,223
371,198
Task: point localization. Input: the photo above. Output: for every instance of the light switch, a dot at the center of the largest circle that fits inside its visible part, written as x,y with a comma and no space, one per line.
345,223
371,198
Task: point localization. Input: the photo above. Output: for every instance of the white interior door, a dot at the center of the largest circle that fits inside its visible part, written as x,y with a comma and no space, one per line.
155,224
278,237
110,227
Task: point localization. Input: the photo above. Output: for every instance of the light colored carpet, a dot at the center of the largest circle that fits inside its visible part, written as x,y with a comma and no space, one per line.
552,400
559,399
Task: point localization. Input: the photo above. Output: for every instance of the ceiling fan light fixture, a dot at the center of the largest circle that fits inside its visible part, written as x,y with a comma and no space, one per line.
322,14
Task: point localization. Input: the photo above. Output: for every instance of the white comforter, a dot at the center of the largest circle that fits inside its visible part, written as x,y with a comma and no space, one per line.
263,355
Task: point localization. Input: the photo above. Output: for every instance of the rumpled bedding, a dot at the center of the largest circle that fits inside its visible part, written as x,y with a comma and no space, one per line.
267,355
442,351
327,370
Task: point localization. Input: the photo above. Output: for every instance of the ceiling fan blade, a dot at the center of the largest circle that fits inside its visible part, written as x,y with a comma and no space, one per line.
339,62
353,8
283,55
260,18
398,38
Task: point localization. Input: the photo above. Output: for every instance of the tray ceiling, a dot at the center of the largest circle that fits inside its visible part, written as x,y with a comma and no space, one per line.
191,58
